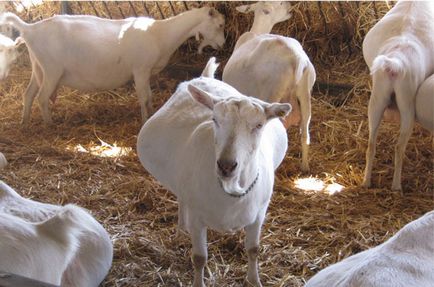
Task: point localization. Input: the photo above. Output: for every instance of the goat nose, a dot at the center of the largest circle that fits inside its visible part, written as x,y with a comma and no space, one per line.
226,167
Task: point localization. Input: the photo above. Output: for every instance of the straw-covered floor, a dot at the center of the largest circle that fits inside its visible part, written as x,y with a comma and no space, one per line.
88,158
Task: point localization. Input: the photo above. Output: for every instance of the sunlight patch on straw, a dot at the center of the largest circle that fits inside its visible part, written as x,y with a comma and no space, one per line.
103,150
317,185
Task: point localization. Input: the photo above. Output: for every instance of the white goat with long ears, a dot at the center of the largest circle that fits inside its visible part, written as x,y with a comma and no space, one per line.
274,68
425,104
43,250
224,148
399,52
90,53
405,260
93,257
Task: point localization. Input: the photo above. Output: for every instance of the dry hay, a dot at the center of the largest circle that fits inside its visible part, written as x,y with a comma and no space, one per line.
304,230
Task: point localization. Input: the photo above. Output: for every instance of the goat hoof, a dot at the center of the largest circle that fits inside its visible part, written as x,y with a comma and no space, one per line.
366,184
252,283
305,168
397,187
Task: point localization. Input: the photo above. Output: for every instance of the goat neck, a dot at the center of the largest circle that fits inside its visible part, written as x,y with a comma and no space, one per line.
176,30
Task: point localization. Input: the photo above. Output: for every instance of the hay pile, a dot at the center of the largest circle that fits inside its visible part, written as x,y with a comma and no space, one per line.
305,230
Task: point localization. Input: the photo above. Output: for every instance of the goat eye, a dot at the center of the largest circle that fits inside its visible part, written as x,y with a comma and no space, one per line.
266,12
257,127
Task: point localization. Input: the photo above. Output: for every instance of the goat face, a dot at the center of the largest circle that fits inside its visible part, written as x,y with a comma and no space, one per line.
238,127
8,54
268,12
212,30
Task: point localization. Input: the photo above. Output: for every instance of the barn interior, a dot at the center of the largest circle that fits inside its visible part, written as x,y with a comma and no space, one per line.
88,156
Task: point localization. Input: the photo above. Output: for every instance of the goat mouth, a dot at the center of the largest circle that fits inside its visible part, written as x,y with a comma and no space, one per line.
230,185
234,189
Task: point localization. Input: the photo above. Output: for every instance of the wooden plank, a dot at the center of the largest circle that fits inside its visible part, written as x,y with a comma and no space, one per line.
13,280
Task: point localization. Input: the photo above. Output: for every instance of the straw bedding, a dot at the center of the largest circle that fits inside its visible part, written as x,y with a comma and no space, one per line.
305,230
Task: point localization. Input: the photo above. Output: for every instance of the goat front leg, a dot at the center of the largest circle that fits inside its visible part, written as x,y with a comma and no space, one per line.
200,253
144,93
48,87
253,232
405,102
380,97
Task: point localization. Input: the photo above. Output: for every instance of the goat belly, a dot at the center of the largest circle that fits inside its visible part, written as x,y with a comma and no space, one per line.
391,114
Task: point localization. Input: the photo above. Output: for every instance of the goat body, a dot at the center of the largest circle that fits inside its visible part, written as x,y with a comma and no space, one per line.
425,104
184,128
90,53
274,68
92,259
41,251
405,260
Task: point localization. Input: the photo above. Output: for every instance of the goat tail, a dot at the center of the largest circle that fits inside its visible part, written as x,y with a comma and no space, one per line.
393,67
299,69
210,68
14,20
304,71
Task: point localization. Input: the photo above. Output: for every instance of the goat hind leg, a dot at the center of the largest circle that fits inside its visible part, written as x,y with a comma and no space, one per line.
304,99
407,112
379,100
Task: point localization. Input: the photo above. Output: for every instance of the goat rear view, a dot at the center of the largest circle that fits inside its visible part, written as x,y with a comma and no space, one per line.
274,68
399,52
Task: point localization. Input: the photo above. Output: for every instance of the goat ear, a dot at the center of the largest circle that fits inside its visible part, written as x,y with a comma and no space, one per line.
246,8
277,110
194,5
212,12
201,96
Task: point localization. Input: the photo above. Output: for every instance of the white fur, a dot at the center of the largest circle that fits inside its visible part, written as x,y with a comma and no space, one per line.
3,161
8,54
41,251
405,260
274,68
90,53
399,52
425,104
246,131
90,263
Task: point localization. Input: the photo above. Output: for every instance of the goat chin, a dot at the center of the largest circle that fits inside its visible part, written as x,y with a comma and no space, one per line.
232,186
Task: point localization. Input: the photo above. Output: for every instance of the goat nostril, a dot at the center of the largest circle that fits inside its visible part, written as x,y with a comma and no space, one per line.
226,167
